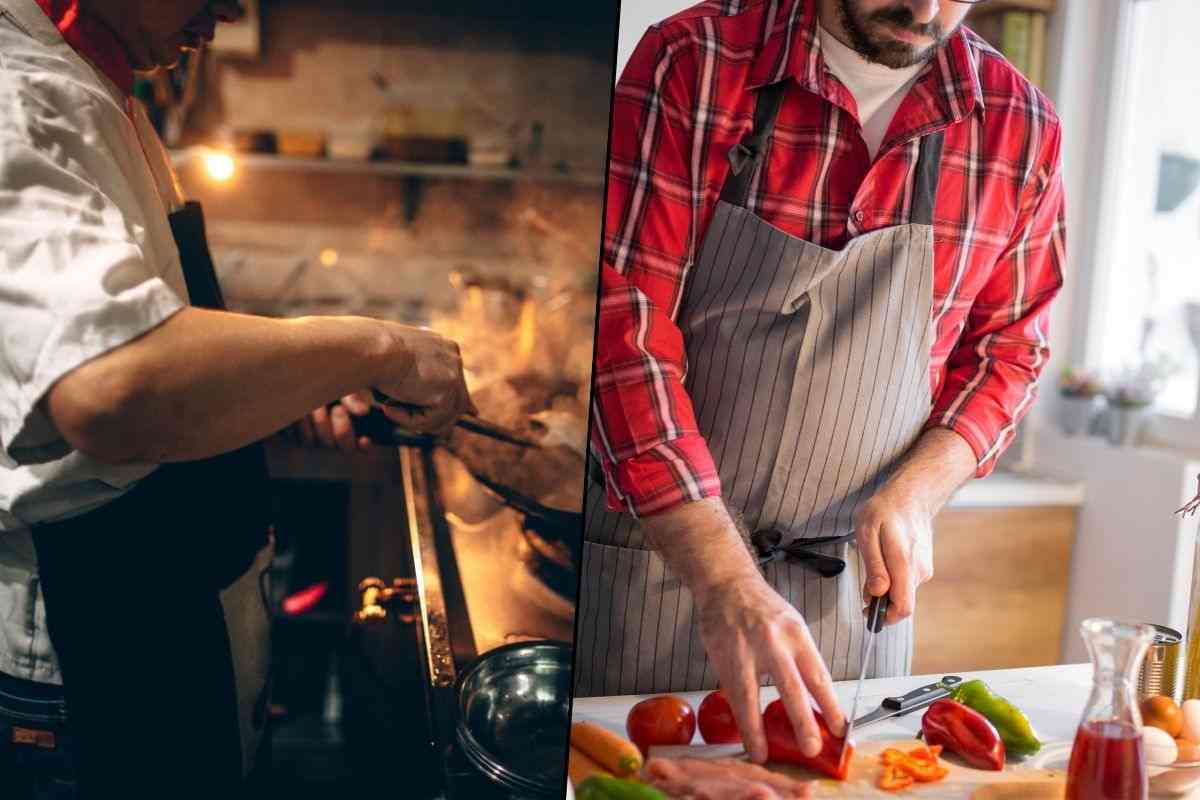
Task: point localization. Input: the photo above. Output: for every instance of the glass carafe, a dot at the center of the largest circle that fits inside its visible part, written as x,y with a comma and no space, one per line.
1108,760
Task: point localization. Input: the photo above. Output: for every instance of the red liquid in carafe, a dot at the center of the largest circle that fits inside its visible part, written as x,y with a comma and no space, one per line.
1107,763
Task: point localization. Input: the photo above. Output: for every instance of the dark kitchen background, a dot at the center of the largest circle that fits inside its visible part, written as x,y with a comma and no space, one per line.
438,164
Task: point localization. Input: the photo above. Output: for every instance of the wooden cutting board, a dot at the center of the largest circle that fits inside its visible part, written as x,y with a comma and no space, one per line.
963,782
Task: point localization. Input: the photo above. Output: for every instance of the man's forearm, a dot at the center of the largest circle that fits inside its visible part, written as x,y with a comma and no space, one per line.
934,469
205,382
701,543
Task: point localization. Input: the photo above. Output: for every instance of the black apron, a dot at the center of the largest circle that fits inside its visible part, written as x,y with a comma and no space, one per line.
138,594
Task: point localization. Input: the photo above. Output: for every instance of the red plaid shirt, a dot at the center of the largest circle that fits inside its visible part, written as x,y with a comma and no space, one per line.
684,100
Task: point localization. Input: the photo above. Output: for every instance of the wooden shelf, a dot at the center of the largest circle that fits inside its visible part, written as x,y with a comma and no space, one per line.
1019,30
412,174
254,161
993,6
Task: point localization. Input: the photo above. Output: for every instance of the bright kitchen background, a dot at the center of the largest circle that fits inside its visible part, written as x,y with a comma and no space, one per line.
1074,526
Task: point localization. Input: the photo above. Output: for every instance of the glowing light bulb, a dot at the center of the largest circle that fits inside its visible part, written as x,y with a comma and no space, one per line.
329,257
220,166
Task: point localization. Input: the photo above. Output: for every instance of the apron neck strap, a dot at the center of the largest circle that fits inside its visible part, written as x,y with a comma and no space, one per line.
745,156
187,226
928,171
747,153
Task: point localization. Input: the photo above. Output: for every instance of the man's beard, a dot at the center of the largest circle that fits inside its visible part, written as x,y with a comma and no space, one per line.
885,50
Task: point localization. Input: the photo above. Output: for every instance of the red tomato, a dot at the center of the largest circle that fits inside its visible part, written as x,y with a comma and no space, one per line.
717,723
661,721
782,746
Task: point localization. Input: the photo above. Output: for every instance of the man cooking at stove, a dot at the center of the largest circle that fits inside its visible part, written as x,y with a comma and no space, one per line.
834,231
133,534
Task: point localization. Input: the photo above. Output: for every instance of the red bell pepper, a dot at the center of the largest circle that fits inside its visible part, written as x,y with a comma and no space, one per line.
783,747
965,731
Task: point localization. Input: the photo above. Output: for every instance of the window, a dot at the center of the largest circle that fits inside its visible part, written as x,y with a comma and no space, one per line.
1149,308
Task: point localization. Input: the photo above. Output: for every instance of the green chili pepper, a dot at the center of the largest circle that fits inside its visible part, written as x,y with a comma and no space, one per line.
1014,727
602,787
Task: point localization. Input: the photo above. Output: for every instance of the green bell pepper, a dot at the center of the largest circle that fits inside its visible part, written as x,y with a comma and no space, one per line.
602,787
1013,726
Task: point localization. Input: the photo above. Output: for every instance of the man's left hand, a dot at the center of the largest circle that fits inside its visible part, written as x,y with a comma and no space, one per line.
333,427
895,538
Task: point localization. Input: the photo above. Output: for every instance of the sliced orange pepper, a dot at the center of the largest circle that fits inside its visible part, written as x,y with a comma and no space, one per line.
926,752
922,771
919,765
893,779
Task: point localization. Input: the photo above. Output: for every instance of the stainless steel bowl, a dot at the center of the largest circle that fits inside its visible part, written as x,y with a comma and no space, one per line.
514,720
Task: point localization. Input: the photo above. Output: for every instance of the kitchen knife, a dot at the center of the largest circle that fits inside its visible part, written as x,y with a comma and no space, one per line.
915,700
876,612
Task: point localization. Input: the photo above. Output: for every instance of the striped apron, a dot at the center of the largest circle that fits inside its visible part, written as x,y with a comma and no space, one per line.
809,372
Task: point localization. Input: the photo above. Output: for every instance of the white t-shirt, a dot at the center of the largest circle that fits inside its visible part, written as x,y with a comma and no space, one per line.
878,90
87,263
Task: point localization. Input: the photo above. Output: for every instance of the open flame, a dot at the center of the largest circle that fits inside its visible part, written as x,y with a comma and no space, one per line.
526,333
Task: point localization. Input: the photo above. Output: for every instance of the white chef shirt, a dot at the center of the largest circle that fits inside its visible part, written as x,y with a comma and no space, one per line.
878,89
87,263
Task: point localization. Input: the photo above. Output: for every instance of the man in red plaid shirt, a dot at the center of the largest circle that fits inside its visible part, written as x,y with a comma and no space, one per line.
834,229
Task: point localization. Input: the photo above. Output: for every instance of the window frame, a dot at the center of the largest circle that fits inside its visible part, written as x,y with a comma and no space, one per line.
1106,143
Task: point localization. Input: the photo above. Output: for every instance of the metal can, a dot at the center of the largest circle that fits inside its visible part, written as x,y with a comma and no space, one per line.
1161,665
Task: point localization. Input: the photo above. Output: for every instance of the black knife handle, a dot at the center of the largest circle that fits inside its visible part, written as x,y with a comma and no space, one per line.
876,613
915,698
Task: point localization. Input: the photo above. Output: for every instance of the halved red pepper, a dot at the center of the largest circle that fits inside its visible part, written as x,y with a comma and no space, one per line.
783,747
964,731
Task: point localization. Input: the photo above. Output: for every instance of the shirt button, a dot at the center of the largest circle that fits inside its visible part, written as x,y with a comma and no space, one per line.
859,216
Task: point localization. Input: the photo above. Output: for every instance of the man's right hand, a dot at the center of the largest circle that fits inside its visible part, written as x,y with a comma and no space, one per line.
747,628
428,376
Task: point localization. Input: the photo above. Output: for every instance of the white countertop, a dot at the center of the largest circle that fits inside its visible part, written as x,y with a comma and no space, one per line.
1013,490
1052,697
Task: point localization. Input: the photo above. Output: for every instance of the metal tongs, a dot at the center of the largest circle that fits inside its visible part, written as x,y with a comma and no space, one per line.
377,427
389,433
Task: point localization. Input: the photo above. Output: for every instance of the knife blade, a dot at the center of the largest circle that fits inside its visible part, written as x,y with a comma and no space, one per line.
915,700
876,612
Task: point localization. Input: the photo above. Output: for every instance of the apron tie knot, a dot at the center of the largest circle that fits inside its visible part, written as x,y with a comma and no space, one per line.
770,547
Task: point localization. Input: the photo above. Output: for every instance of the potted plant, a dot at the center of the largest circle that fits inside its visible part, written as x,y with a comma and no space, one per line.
1082,393
1131,395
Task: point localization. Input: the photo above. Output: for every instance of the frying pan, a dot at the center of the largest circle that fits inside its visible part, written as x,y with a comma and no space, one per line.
376,426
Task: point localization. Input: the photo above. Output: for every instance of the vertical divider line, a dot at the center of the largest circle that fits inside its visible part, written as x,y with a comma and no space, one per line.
588,486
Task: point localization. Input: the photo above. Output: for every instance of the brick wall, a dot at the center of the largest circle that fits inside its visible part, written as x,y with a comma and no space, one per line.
494,74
